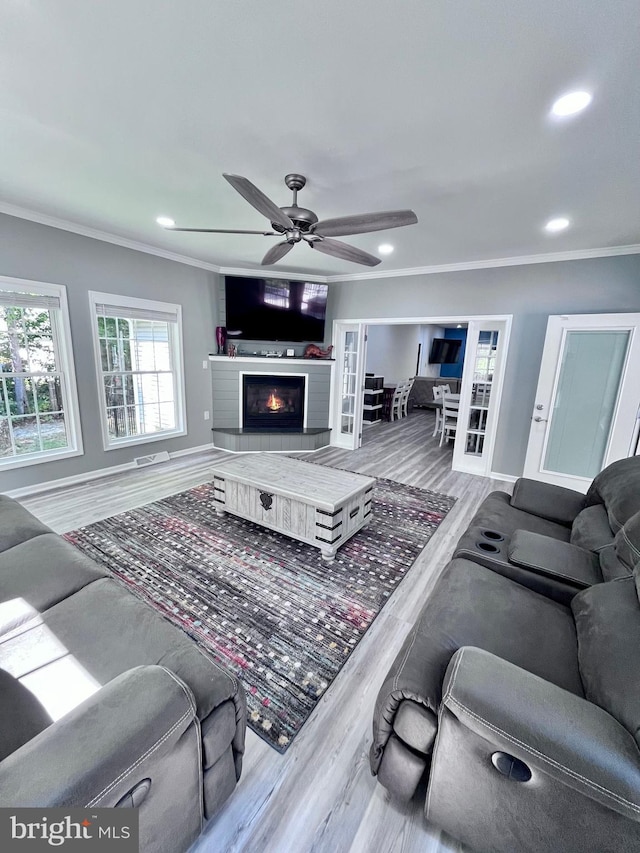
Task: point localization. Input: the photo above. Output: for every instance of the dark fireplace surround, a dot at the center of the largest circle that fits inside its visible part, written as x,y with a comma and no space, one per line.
272,403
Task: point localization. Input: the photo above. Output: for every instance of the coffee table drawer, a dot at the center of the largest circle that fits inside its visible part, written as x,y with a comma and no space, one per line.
276,511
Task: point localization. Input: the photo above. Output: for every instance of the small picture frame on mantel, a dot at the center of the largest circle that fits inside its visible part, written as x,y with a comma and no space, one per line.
290,353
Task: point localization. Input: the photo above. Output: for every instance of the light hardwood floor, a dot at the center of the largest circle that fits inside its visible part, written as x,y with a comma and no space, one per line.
320,796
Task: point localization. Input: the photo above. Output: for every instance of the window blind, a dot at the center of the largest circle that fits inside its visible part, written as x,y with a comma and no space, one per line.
15,299
124,313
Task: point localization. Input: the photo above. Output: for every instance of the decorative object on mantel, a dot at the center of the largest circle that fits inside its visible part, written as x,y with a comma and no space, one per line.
232,350
313,351
265,606
221,338
291,353
297,224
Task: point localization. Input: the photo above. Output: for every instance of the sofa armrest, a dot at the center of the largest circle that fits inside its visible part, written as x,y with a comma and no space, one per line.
560,560
92,755
552,731
545,500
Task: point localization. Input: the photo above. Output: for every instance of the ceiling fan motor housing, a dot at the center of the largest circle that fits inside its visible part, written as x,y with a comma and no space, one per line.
301,217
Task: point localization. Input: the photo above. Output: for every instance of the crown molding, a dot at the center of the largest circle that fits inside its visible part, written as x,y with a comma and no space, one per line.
104,236
275,274
522,260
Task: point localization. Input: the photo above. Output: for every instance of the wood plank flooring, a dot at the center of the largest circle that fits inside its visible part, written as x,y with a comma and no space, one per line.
320,796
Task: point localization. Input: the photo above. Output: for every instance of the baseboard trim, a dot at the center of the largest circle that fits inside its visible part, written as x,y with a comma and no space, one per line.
97,474
509,478
270,452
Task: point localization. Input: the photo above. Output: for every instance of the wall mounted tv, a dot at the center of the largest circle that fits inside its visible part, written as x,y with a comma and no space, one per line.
444,351
274,309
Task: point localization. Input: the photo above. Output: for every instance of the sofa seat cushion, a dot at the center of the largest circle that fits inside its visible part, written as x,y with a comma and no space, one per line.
18,524
496,513
23,717
39,573
472,606
607,620
100,632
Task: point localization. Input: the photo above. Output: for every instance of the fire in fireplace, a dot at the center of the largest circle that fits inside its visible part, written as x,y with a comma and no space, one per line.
272,402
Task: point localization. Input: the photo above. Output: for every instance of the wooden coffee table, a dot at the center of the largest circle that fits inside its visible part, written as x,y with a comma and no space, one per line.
320,506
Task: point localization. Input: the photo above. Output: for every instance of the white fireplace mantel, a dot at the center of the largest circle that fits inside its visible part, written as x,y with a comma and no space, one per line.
264,360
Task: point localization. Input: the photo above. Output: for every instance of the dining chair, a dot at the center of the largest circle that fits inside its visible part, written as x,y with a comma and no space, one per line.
438,391
396,403
450,408
404,402
437,397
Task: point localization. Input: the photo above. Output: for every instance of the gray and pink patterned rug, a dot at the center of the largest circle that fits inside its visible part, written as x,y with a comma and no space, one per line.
266,607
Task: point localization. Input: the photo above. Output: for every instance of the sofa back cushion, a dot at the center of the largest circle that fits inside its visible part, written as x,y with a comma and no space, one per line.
591,531
627,543
618,488
607,620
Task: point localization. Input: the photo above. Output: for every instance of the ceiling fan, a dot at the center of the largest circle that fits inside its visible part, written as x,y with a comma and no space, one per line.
298,224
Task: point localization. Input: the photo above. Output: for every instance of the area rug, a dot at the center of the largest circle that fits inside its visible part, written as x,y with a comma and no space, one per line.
265,606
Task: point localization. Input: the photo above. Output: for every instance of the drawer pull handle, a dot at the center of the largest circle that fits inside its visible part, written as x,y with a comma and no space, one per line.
266,500
354,512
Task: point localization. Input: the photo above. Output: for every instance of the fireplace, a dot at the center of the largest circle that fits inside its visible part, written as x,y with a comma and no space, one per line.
272,402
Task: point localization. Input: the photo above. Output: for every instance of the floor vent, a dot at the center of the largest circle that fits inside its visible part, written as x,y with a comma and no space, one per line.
151,459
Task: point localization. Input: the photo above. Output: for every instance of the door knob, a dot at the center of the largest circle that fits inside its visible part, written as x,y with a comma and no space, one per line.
538,419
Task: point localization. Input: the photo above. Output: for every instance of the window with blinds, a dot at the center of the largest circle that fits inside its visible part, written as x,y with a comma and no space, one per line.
38,406
138,352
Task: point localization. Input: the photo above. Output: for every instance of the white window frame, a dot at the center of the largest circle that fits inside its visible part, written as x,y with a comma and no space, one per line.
63,348
124,302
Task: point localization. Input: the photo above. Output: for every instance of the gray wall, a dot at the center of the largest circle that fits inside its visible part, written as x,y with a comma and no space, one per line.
41,253
531,293
392,351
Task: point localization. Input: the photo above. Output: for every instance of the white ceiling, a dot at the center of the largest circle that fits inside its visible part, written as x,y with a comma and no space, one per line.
114,113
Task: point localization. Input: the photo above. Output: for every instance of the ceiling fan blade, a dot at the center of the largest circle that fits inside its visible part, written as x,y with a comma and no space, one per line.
275,253
259,200
343,250
222,231
361,223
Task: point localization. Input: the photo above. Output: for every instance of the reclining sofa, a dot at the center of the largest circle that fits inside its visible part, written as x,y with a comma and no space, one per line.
104,702
517,692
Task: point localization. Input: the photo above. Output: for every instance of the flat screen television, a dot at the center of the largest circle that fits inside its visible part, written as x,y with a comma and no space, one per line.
444,351
274,309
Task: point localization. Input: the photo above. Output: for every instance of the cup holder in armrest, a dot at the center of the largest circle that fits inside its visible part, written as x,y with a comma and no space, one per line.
487,547
493,535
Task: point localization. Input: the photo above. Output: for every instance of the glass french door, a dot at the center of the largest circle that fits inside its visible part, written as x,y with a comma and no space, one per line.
588,398
480,396
349,376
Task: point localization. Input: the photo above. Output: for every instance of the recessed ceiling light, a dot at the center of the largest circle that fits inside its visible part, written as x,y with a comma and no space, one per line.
558,224
571,103
385,248
165,221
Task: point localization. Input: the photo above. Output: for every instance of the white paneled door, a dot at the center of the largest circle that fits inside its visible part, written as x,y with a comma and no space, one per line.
588,399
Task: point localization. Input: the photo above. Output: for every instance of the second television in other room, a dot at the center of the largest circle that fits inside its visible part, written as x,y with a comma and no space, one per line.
444,351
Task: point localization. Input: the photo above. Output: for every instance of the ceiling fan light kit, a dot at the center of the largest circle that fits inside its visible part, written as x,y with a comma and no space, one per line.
298,224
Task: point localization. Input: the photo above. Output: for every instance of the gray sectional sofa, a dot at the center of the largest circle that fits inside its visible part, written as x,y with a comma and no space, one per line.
517,692
105,703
